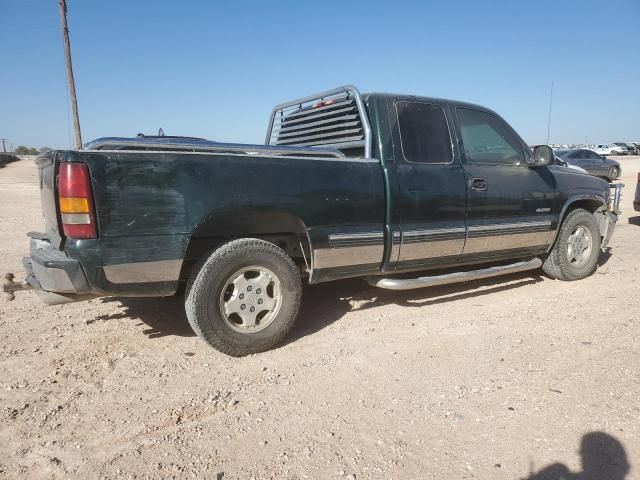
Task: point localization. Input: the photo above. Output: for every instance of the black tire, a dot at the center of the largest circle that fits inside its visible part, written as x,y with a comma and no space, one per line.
204,296
557,264
613,174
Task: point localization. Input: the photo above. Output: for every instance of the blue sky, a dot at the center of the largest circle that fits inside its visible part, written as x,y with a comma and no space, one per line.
215,68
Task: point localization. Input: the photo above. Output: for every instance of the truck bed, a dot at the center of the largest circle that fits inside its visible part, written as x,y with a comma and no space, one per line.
153,207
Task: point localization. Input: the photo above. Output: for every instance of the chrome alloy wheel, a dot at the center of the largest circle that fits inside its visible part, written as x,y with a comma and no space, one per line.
579,246
251,299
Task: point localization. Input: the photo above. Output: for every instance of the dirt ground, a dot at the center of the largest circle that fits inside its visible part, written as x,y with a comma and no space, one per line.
490,380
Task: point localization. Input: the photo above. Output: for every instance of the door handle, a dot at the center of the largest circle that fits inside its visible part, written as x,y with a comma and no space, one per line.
479,184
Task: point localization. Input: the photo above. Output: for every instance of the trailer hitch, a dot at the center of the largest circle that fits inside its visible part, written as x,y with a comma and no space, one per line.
10,287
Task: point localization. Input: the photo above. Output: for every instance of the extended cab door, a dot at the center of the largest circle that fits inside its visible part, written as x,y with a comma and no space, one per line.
509,204
431,190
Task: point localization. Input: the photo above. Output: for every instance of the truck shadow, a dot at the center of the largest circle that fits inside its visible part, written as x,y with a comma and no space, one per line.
322,304
327,303
164,316
604,257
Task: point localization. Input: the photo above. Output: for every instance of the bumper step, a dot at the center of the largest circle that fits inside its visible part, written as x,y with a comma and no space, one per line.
432,281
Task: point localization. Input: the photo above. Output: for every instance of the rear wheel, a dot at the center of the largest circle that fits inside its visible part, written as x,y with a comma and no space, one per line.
244,297
575,253
614,173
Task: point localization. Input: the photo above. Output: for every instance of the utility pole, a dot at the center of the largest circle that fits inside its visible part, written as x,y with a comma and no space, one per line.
72,85
549,119
4,145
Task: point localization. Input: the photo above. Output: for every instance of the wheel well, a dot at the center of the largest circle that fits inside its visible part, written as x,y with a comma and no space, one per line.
282,229
586,204
593,206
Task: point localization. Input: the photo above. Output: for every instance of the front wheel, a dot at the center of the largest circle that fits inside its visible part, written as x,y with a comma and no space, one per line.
244,297
613,174
574,256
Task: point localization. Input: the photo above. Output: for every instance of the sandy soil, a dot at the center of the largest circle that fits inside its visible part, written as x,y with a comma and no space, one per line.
490,380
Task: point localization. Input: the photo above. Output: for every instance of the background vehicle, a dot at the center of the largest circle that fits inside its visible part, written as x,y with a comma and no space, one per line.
609,149
624,148
593,163
632,148
347,185
564,163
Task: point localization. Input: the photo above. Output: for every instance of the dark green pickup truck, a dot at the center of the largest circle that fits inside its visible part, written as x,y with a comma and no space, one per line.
346,185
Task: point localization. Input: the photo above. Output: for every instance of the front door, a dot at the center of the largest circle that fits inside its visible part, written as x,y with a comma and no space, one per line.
432,197
509,204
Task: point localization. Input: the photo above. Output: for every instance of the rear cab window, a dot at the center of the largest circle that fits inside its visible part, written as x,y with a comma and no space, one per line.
488,139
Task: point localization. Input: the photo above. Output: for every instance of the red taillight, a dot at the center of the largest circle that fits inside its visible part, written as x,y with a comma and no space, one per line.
75,201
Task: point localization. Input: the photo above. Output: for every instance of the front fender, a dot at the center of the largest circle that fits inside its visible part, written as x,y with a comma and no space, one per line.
597,204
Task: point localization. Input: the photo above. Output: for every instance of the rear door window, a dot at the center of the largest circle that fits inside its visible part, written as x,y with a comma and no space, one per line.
424,133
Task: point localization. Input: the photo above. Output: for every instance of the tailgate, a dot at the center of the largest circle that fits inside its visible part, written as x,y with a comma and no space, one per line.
47,176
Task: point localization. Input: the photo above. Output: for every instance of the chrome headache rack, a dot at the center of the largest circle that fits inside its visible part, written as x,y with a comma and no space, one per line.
335,118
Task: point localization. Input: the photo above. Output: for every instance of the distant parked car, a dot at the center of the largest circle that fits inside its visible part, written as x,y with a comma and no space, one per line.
633,148
593,163
626,148
609,149
564,163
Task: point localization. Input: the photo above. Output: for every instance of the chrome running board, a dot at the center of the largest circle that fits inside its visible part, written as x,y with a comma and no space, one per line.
411,283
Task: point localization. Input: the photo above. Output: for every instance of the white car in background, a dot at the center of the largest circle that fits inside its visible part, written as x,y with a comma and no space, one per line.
609,149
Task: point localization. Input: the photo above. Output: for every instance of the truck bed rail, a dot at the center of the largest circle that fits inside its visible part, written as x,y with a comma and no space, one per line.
204,146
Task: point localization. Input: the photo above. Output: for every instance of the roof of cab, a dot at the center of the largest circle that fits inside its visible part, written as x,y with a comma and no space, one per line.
405,96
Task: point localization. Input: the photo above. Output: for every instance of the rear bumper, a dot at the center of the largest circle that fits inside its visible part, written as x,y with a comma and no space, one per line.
50,269
55,277
58,278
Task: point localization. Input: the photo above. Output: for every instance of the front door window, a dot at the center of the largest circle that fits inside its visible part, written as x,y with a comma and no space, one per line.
488,139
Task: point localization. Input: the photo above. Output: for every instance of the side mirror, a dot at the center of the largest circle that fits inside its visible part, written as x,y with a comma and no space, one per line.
542,155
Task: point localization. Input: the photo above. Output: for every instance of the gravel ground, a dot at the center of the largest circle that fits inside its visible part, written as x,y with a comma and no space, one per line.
490,380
